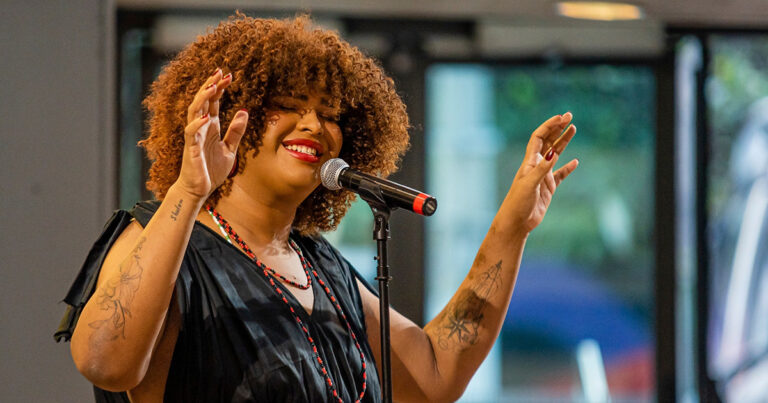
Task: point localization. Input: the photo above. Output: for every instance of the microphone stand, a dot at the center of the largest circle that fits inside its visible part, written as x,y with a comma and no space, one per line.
371,193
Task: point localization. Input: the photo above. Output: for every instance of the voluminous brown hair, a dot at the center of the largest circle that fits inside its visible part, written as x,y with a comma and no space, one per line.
269,58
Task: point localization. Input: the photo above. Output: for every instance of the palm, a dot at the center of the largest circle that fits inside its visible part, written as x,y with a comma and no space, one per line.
208,157
541,196
535,183
220,163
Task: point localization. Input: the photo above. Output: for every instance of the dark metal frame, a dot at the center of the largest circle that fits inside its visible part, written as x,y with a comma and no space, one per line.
706,387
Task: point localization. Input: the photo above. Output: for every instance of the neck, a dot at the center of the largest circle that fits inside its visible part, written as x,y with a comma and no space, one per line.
261,218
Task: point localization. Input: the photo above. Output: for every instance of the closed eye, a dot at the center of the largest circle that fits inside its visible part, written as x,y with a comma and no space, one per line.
330,117
288,108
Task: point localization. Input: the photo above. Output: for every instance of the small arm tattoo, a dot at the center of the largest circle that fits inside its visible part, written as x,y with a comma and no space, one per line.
116,295
175,213
458,325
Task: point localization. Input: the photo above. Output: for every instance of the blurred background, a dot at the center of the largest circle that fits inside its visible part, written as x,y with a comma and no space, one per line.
648,279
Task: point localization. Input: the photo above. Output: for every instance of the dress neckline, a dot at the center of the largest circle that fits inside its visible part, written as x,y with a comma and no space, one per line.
270,275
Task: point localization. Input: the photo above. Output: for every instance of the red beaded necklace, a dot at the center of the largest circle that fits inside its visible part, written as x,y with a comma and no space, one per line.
269,273
224,225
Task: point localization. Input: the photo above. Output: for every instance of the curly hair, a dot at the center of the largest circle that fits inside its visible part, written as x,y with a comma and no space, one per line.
269,58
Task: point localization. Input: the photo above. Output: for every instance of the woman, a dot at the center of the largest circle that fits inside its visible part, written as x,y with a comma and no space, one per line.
224,291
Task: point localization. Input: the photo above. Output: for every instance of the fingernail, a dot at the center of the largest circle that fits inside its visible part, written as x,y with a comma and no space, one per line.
210,85
204,117
227,76
243,110
215,71
550,154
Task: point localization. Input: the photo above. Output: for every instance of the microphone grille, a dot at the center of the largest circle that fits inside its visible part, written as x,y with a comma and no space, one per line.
330,171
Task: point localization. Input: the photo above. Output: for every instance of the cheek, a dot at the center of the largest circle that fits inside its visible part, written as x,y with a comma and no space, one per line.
276,127
277,120
272,118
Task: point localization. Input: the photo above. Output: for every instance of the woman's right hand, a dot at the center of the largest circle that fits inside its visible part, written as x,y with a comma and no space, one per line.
208,158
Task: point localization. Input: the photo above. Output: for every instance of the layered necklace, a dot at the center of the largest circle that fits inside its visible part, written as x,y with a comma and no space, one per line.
270,274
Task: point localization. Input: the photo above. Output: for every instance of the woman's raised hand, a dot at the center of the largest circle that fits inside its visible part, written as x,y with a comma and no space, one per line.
208,158
535,182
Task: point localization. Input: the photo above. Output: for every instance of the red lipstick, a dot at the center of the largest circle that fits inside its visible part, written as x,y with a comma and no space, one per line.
305,143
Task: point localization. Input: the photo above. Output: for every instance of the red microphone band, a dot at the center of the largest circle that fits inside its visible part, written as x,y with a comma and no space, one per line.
418,202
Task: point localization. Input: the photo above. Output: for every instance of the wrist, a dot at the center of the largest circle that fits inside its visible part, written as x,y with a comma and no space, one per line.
176,192
517,236
511,232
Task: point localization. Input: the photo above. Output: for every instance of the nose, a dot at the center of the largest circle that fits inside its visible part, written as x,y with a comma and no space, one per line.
310,122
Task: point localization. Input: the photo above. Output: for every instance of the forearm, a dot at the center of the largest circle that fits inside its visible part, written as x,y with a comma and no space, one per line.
120,324
465,330
437,362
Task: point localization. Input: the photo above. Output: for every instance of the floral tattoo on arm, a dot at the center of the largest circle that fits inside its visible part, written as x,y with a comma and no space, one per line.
116,295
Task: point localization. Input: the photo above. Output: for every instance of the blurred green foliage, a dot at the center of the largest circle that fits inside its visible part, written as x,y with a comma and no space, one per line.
601,219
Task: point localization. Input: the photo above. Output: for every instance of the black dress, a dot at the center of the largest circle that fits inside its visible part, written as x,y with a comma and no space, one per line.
238,341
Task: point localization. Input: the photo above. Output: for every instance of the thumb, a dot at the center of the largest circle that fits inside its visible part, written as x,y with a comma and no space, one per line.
236,130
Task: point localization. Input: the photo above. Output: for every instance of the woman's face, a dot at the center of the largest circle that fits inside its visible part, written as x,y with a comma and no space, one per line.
300,134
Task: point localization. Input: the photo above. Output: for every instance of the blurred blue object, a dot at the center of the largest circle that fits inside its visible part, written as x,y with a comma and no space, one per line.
564,305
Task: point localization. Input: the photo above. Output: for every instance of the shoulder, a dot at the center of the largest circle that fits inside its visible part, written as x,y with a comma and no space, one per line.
130,236
124,244
319,247
327,259
143,211
334,261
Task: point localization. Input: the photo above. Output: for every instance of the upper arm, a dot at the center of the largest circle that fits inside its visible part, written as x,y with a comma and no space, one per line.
119,251
88,346
415,376
110,266
85,342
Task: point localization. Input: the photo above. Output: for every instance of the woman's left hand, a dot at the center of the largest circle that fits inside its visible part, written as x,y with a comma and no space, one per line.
535,183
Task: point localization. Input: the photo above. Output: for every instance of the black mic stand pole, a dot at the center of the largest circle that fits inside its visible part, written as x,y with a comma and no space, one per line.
371,193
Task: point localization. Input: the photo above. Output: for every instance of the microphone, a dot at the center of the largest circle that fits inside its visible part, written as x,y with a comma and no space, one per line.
336,174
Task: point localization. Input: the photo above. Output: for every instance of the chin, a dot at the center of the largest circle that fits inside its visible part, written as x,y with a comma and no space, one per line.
301,180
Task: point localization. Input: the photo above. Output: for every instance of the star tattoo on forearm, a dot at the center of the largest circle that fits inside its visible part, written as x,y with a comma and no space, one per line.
458,325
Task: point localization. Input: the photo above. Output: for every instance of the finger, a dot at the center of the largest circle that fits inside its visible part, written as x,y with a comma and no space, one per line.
548,132
539,135
559,145
197,126
565,170
550,182
529,163
236,130
565,138
221,85
544,166
212,131
197,107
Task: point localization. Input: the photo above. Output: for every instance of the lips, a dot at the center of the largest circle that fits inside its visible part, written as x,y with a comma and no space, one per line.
304,149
